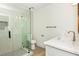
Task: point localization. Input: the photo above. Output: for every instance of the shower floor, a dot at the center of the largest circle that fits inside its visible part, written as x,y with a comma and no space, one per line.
18,52
22,52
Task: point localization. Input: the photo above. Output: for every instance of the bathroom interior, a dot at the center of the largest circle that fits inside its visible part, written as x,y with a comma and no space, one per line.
39,29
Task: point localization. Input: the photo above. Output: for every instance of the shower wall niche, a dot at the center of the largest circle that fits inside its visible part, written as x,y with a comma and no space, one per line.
3,22
3,25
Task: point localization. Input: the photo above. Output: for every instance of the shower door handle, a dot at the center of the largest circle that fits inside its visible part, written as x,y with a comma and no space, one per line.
9,33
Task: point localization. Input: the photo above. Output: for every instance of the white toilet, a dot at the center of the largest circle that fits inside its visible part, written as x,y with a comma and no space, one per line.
33,42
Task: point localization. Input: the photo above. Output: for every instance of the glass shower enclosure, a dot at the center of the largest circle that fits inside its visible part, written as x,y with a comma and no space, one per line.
15,35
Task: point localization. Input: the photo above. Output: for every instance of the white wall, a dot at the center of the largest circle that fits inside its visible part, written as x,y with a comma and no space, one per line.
60,15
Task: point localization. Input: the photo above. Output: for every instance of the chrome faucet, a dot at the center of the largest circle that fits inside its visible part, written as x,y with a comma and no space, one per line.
74,39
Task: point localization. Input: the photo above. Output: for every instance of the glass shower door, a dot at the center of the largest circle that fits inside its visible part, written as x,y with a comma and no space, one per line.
26,34
21,35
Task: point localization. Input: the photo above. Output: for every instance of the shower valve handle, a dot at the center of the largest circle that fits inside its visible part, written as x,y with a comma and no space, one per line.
9,34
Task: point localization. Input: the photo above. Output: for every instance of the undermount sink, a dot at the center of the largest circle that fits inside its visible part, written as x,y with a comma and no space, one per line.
64,40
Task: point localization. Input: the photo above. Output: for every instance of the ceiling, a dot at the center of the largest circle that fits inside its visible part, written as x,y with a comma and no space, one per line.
23,6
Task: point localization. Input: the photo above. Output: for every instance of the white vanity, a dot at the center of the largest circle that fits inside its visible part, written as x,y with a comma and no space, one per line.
62,46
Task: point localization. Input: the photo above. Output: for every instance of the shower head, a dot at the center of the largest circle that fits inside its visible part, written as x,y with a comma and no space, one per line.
31,8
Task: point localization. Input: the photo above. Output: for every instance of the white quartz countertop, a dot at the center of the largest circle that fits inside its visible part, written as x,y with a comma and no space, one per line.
64,43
